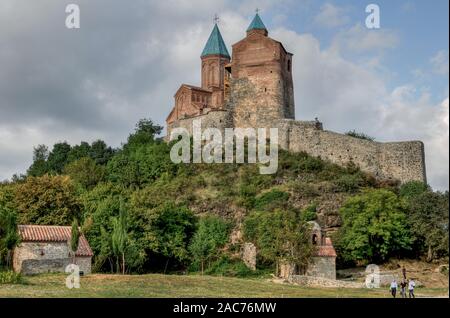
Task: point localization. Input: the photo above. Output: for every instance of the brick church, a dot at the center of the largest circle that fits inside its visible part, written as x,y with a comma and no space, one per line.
253,88
256,85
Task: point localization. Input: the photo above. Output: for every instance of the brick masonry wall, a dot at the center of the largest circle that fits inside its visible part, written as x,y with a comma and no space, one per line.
44,257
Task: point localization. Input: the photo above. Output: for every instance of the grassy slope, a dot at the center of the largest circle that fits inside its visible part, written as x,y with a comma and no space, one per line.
156,285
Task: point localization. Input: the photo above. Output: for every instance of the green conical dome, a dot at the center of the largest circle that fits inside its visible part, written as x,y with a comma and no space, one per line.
215,44
256,24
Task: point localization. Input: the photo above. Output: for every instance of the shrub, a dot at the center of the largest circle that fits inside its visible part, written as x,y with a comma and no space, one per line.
270,200
10,277
349,183
309,214
413,189
234,268
359,135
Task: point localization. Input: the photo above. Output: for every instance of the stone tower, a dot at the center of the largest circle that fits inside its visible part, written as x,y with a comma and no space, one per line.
261,80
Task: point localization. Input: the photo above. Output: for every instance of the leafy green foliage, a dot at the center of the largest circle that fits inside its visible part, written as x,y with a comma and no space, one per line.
271,200
428,219
171,231
39,166
74,237
58,157
211,235
141,165
280,236
413,189
47,200
85,172
225,266
374,227
9,238
309,213
144,134
10,277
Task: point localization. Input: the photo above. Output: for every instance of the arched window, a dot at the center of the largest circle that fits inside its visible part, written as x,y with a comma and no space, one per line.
289,65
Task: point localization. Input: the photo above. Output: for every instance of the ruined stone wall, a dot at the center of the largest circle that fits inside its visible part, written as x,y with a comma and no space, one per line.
44,257
403,161
323,282
324,267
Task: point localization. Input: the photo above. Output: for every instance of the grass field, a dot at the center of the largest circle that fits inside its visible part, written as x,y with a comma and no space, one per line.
156,285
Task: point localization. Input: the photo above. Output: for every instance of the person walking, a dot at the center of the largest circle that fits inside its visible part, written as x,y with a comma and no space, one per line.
403,285
411,286
394,288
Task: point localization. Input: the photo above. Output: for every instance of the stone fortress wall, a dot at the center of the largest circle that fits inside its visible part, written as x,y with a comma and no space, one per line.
403,161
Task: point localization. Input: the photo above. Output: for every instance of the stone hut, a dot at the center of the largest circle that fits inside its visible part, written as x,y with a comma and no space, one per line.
45,249
323,262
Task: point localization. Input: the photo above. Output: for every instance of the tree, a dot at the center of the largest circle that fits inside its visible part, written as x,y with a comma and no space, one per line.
142,165
39,166
144,133
280,236
74,239
171,231
47,200
374,227
9,237
428,218
58,157
79,151
100,152
119,237
85,172
211,235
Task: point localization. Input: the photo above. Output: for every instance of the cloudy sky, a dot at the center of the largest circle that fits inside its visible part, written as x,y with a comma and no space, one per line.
129,57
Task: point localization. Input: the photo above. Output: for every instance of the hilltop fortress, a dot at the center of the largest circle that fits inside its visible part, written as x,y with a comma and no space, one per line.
253,88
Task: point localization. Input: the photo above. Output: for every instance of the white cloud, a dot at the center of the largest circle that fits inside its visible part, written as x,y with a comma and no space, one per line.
331,16
359,39
440,62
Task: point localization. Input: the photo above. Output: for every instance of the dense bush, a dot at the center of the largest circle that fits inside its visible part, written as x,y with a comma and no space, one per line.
374,228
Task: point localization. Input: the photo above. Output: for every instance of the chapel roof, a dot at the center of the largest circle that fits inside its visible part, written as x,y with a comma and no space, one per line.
53,233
